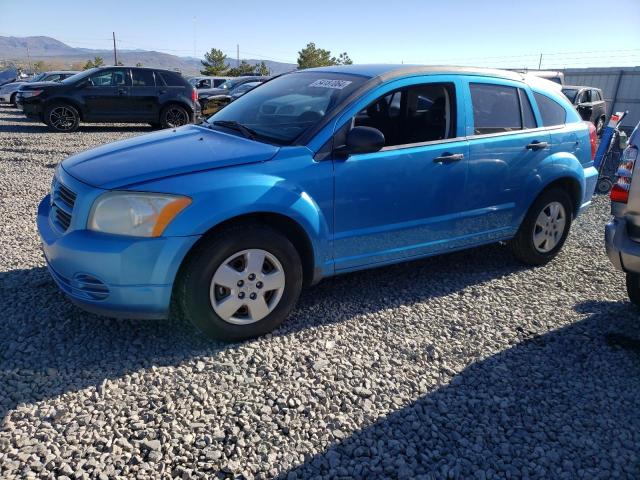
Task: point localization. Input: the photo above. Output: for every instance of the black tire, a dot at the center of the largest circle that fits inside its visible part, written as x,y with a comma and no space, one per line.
12,100
633,288
173,116
522,245
193,285
62,117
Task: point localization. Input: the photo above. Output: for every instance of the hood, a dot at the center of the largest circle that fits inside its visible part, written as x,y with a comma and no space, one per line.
163,154
11,87
37,85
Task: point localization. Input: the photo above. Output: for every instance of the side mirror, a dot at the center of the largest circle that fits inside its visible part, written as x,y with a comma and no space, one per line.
362,140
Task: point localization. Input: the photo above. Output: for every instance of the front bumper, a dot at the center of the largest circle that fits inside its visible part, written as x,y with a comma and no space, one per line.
623,252
112,275
31,110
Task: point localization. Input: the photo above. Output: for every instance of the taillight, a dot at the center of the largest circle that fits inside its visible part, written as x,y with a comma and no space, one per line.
593,139
194,95
620,191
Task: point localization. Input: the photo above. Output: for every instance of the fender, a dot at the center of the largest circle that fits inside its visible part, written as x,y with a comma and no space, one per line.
560,165
226,193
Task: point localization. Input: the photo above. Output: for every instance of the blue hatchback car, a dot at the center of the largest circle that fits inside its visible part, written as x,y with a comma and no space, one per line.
312,174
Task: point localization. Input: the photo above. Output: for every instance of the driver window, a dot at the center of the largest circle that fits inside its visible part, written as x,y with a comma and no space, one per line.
109,78
415,114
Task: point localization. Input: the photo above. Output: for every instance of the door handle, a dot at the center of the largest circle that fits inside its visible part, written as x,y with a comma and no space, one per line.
449,158
162,91
537,145
122,91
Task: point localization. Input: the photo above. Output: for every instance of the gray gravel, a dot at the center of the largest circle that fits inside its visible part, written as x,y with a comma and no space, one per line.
461,366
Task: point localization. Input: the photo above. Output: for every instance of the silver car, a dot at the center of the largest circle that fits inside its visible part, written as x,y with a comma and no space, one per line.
9,90
622,233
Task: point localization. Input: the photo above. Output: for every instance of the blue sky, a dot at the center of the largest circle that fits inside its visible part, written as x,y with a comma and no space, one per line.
484,33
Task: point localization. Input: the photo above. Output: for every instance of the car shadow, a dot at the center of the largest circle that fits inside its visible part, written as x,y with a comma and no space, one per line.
47,364
558,405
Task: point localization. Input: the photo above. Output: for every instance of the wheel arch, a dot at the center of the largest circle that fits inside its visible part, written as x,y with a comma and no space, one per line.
284,224
68,101
179,103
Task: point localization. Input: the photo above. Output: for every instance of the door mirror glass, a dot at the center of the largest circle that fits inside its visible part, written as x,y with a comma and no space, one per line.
363,140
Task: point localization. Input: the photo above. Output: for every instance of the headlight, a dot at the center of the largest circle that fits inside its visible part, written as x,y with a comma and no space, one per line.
30,93
135,214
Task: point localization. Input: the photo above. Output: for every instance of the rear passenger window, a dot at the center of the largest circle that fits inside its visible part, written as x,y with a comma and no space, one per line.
552,112
171,79
416,114
496,108
528,119
595,96
142,78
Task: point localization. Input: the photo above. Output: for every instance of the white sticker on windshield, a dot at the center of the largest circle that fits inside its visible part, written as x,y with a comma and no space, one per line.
325,83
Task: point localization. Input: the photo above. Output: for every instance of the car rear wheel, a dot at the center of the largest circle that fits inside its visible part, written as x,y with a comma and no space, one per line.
174,116
544,229
241,284
633,288
62,117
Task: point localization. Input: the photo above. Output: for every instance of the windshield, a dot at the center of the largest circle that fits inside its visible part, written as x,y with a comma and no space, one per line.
285,107
78,76
38,77
570,93
229,84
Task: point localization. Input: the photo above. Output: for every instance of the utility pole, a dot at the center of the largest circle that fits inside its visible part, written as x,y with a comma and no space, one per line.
540,62
29,59
237,55
115,54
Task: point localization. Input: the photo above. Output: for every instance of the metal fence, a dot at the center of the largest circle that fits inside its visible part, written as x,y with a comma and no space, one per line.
621,87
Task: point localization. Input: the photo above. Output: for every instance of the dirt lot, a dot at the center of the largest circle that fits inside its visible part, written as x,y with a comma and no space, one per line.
461,366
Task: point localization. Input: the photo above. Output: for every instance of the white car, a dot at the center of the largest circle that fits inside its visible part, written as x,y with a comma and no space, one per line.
9,90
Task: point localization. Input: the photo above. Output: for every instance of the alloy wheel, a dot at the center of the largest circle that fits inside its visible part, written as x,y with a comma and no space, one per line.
176,117
62,118
247,286
549,227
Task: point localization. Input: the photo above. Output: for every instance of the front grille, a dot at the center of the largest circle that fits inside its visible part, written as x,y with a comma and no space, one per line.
63,201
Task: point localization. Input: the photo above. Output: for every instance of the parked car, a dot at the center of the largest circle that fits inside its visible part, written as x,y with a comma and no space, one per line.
207,82
9,91
229,86
112,94
622,233
589,102
212,104
316,173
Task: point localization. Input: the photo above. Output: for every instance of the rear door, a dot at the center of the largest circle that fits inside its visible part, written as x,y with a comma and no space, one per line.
144,96
506,145
106,95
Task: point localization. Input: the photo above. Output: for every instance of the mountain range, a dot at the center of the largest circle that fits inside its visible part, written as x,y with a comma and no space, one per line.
59,55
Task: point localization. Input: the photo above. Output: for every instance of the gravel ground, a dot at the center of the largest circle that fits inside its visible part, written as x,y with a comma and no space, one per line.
460,366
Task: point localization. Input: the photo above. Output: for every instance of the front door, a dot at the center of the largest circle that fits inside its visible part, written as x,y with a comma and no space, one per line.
106,97
407,199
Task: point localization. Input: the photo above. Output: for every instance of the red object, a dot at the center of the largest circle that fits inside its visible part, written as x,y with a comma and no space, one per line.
194,95
593,138
619,194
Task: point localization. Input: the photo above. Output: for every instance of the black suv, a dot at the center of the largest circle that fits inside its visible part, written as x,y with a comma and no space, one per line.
590,104
112,94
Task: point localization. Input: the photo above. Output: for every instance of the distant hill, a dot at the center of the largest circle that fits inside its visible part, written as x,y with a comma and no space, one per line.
57,55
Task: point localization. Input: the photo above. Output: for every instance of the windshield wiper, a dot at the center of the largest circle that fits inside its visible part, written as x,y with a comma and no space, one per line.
233,125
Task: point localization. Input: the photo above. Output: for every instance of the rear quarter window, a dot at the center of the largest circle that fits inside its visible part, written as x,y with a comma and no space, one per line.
171,79
552,112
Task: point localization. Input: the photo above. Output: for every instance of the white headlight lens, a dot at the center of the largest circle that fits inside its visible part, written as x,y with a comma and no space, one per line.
135,214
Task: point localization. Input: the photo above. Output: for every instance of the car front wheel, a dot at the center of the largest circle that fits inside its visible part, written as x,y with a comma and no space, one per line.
62,117
544,229
240,284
